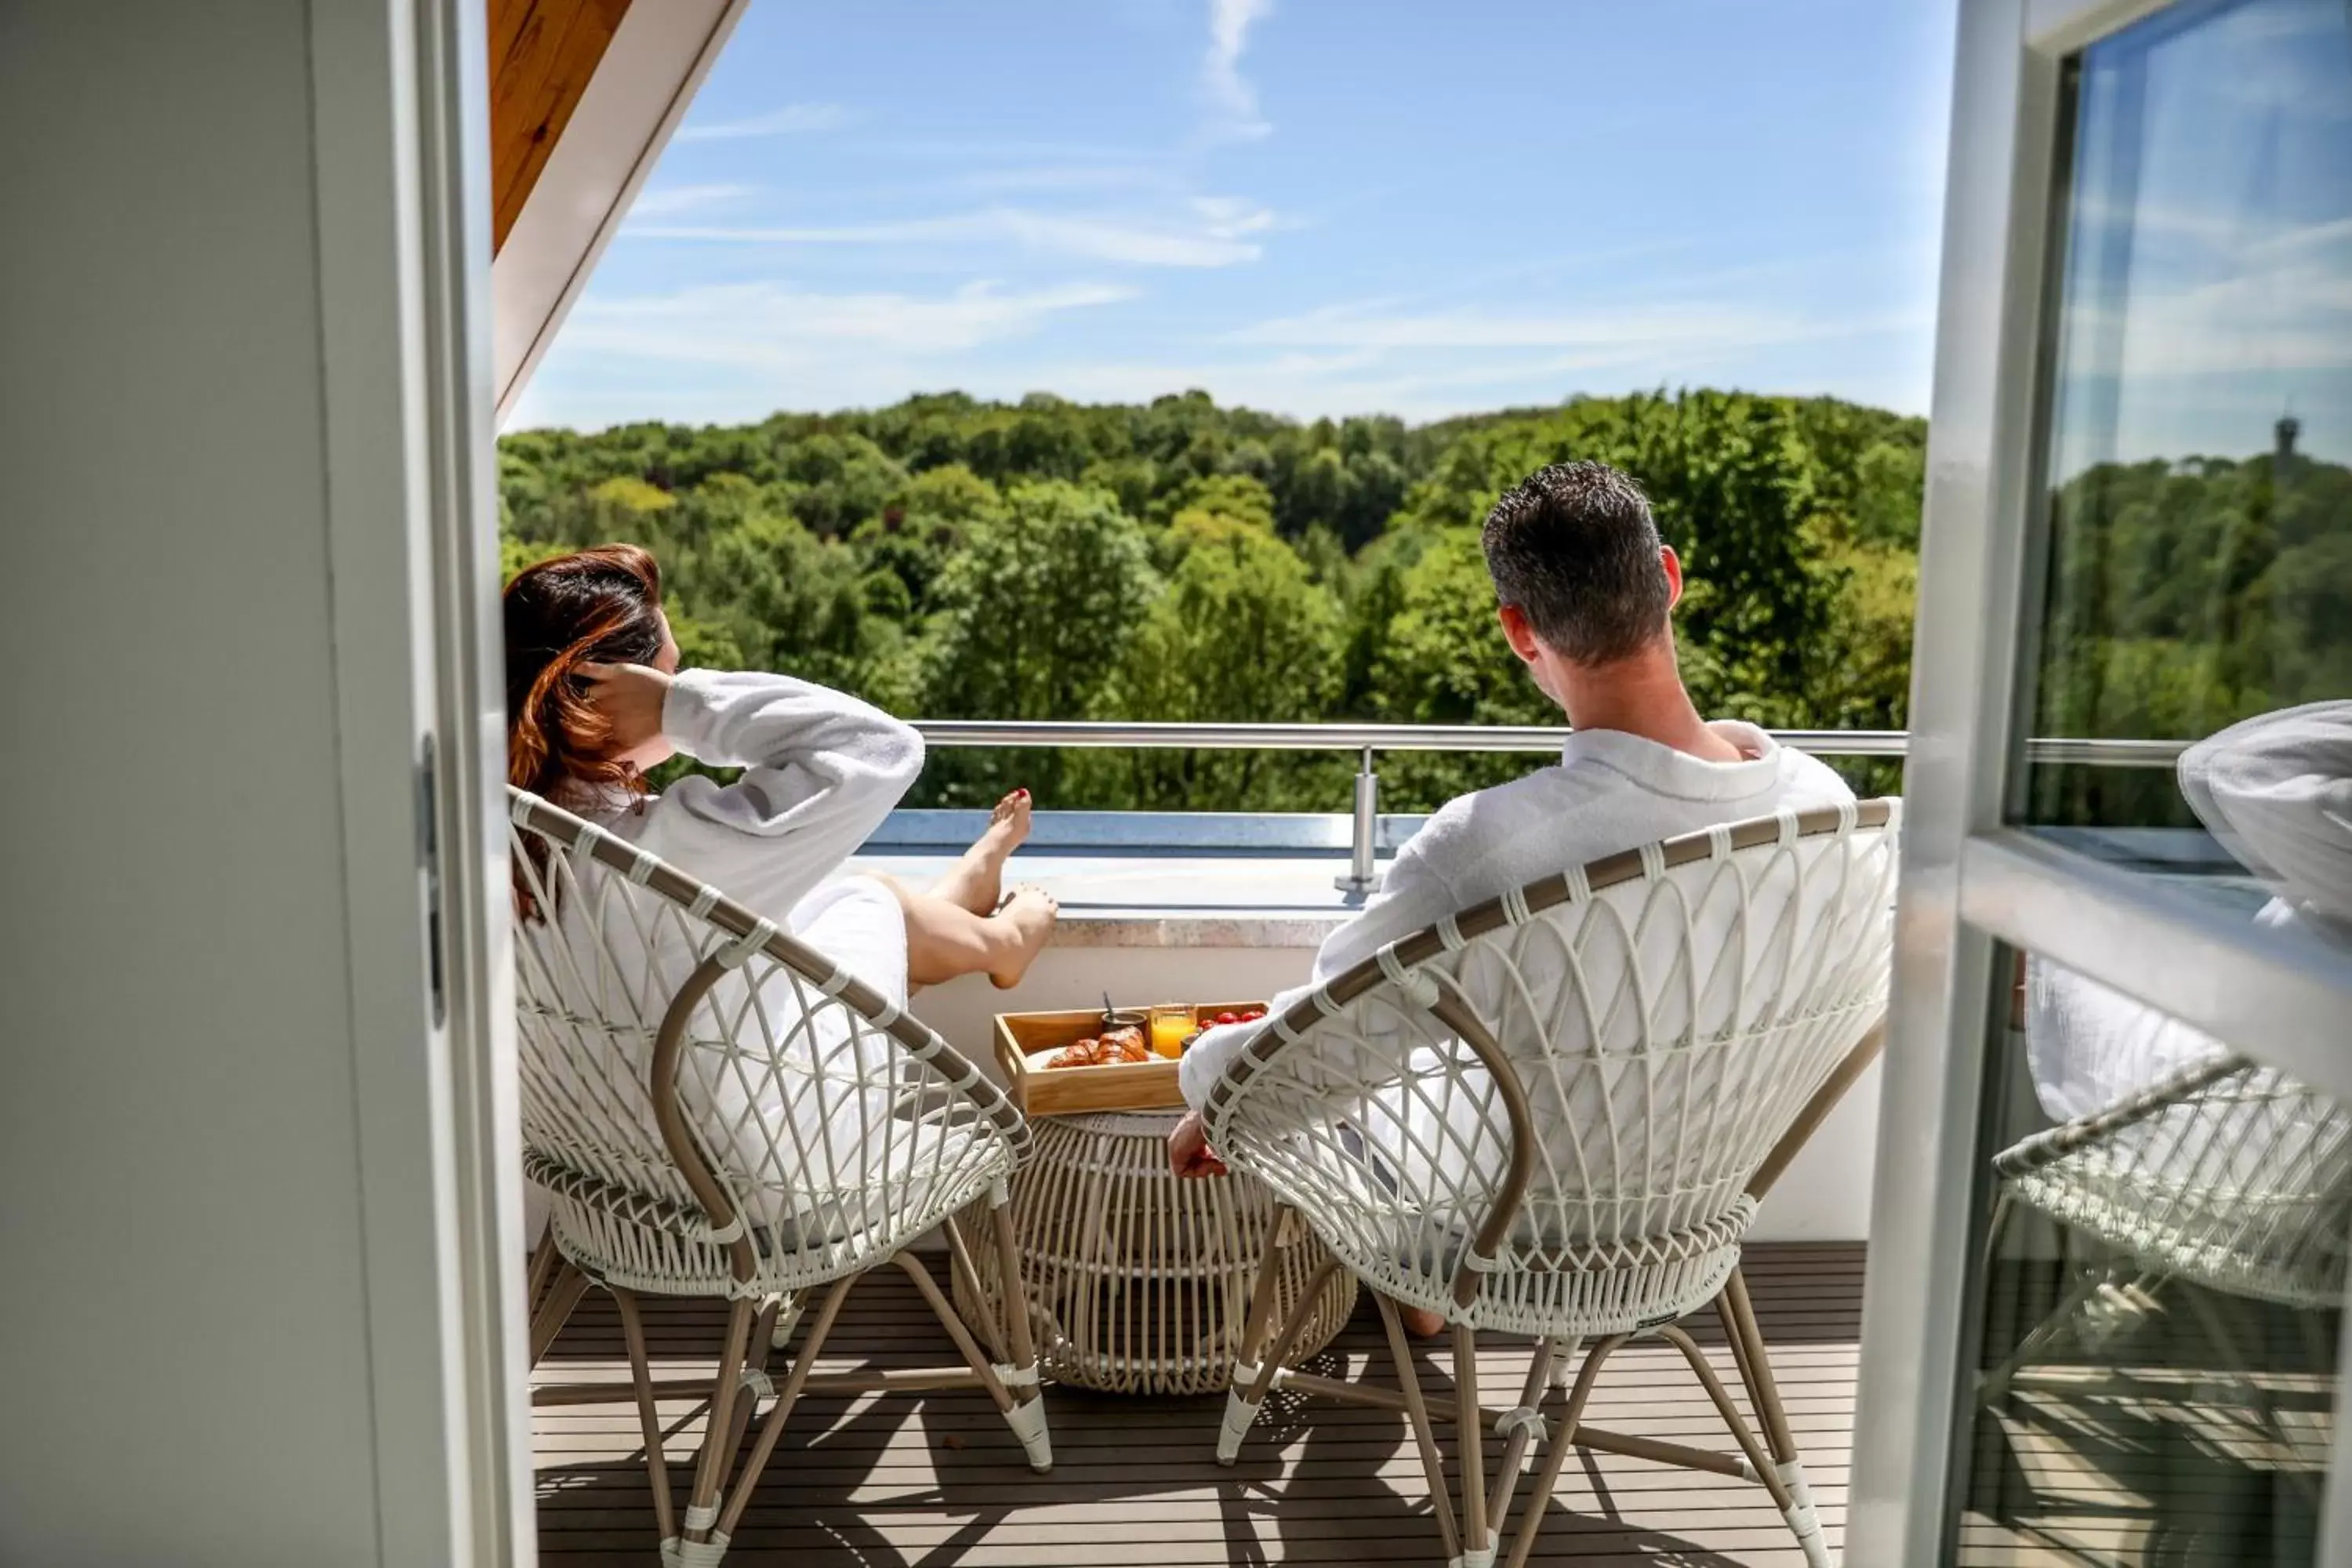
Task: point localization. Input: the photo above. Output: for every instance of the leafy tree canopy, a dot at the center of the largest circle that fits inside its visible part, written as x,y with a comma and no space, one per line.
948,557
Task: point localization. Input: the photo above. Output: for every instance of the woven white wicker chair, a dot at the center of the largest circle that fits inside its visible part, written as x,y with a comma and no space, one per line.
714,1109
1553,1114
2196,1165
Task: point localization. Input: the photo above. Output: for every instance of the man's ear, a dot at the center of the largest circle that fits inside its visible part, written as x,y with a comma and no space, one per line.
1518,632
1673,565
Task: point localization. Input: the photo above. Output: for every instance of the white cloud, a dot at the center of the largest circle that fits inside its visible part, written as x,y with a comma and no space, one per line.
776,324
1212,232
668,201
736,352
1371,357
1602,331
741,351
1302,385
2274,300
1232,100
792,119
1062,177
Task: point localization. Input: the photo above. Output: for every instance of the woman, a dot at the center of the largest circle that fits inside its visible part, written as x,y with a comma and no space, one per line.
596,698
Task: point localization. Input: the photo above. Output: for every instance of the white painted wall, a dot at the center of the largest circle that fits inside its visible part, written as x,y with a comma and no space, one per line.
230,1301
1824,1195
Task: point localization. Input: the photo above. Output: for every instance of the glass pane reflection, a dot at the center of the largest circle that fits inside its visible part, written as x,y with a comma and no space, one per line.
2197,584
2165,1231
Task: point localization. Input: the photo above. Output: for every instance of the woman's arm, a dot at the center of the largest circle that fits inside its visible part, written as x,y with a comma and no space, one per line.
821,769
818,764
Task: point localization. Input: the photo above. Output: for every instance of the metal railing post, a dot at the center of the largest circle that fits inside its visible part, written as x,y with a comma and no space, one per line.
1362,877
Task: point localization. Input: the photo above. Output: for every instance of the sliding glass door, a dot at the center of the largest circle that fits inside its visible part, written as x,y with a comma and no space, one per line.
2114,1194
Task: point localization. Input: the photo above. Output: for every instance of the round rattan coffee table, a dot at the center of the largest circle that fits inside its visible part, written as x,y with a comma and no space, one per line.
1140,1282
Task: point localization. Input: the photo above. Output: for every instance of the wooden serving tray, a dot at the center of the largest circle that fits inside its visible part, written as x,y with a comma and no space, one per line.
1062,1091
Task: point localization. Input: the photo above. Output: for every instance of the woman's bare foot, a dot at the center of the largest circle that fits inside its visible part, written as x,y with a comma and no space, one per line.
1029,916
976,882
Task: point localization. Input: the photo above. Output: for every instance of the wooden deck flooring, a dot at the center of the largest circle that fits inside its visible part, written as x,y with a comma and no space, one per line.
2157,1450
937,1481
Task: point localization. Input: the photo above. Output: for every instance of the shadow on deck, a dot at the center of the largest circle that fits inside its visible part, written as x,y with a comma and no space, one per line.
937,1481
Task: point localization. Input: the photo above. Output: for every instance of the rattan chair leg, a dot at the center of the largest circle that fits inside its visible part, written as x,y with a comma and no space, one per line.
1764,1394
554,1310
1729,1322
2004,1203
1264,1291
1026,1418
1993,1386
1241,1408
966,1346
1522,1427
1756,1366
541,1271
712,1465
753,1382
633,1334
1993,1383
771,1425
1018,1330
788,1318
1470,1438
991,1326
1523,1541
1750,1448
1424,1436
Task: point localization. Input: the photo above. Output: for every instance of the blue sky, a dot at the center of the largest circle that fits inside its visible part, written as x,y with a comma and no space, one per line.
1313,206
2209,284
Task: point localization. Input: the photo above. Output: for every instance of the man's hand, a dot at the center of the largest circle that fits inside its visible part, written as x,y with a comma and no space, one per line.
1189,1153
630,697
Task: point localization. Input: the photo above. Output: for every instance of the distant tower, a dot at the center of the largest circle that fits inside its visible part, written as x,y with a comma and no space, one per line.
2283,435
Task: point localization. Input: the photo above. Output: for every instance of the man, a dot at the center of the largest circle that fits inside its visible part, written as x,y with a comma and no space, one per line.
1585,589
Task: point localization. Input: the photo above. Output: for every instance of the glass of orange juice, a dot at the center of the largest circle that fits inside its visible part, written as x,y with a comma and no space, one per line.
1169,1024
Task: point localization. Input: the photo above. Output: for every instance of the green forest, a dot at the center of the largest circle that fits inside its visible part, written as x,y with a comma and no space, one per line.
1174,561
951,558
2183,596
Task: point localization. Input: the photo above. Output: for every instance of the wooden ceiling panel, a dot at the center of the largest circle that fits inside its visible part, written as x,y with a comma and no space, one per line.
542,53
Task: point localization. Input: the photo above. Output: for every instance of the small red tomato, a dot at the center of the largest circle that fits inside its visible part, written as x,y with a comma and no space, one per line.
1228,1017
1254,1015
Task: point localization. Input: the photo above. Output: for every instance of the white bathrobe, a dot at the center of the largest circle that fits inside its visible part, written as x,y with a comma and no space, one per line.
1610,792
821,769
2277,792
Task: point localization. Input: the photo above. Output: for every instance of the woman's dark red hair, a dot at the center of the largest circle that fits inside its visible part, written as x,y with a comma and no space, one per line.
594,607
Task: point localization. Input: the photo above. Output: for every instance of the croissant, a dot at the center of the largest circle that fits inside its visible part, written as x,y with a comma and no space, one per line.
1083,1053
1115,1045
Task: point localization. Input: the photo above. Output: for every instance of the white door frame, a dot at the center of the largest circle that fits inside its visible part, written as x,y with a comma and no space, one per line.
1968,881
400,106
